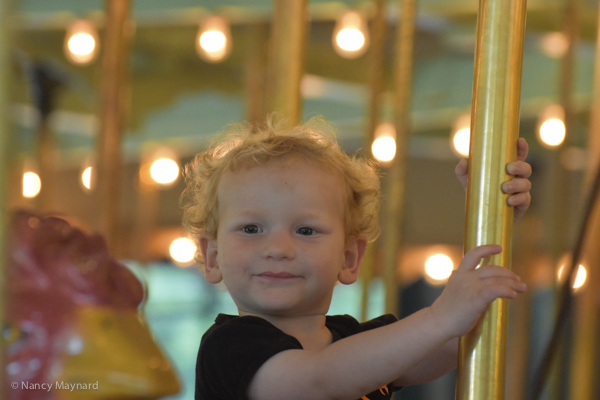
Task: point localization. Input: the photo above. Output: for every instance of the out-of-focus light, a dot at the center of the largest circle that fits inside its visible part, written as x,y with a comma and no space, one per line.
461,135
438,269
86,178
213,42
554,44
32,184
574,158
81,42
384,143
164,171
553,132
579,279
551,126
182,250
351,35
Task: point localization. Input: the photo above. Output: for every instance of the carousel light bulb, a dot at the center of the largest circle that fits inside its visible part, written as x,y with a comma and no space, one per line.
164,171
438,269
462,141
351,35
182,250
86,178
81,42
213,42
32,184
461,135
384,145
552,131
554,44
579,279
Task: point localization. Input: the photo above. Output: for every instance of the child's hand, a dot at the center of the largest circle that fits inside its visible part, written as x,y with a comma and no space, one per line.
518,187
470,291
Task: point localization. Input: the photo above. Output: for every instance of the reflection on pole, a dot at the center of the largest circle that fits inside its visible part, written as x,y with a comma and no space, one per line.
495,125
286,58
394,180
112,118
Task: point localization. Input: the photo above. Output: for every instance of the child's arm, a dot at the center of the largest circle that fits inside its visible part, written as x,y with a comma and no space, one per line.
360,364
518,187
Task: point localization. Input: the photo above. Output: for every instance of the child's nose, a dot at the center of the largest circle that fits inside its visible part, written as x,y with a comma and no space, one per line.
279,246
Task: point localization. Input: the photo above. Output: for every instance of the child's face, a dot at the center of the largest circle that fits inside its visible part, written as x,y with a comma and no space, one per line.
280,247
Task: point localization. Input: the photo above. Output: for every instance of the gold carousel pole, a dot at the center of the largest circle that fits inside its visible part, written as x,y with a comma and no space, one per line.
286,58
376,61
5,65
112,118
396,173
583,384
489,220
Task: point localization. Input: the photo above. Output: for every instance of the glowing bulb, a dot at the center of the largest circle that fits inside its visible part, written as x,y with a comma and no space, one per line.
32,184
182,250
555,44
164,171
81,42
384,145
553,132
438,268
350,39
86,178
213,42
462,141
384,148
579,279
350,35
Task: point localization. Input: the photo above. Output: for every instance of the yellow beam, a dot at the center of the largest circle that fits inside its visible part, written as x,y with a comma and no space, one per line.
114,98
286,58
489,220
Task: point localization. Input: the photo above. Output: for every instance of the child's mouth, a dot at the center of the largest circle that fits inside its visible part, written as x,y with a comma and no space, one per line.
277,275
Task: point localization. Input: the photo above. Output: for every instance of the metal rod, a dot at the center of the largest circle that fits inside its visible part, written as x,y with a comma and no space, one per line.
112,118
6,8
376,80
395,179
489,220
286,58
583,381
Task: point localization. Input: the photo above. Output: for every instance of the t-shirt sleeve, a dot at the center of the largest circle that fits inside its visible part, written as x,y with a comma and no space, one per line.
378,322
231,354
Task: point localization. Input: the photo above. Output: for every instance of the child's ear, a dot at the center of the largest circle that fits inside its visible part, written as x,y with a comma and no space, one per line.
208,247
355,251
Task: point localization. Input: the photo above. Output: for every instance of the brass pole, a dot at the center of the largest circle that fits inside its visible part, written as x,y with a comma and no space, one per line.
6,8
376,69
256,77
583,381
286,58
489,220
112,118
395,179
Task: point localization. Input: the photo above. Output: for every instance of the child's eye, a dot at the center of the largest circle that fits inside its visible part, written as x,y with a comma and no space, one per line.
251,229
306,231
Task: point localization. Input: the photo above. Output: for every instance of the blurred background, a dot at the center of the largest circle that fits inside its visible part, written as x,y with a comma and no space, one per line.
191,67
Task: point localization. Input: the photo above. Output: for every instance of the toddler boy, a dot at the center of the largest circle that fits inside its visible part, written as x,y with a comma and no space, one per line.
280,216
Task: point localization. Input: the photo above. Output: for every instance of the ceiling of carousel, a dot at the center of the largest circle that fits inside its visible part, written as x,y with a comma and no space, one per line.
180,101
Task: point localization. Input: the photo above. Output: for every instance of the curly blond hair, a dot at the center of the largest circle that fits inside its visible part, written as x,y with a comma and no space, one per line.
245,145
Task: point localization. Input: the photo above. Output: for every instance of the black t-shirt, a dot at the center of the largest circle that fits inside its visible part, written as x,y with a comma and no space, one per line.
234,348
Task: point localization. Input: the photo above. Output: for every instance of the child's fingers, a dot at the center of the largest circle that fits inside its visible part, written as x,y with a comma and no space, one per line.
475,255
519,169
516,185
495,285
520,200
522,149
